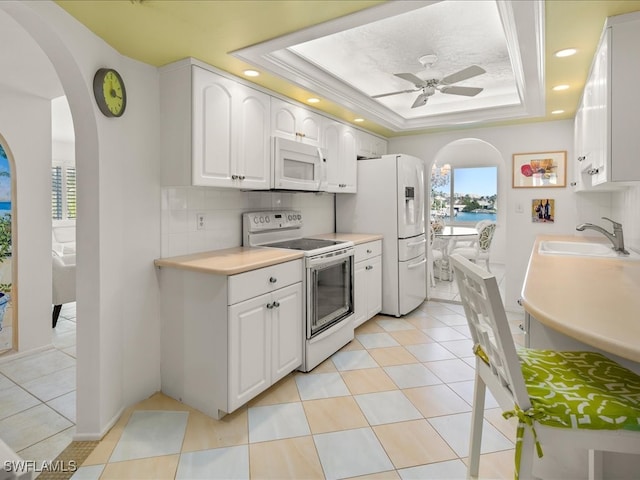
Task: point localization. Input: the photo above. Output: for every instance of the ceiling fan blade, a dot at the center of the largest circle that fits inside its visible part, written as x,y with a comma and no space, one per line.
420,101
395,93
469,72
410,77
466,91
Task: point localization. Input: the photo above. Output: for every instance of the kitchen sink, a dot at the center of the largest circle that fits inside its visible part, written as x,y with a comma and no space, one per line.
582,249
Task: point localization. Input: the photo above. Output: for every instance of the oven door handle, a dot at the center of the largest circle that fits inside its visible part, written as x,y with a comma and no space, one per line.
416,265
345,322
322,260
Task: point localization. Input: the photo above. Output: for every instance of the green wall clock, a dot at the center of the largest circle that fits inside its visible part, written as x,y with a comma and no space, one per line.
111,96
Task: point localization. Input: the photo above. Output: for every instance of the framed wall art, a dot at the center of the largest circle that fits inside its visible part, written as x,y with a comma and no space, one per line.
543,210
540,169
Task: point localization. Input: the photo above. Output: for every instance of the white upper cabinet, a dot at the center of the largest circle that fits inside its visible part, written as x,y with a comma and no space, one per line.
370,146
295,122
340,148
607,125
215,131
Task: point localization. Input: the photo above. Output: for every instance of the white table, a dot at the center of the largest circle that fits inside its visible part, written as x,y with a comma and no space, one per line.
448,234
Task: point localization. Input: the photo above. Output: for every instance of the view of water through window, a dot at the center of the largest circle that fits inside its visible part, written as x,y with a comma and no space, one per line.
464,195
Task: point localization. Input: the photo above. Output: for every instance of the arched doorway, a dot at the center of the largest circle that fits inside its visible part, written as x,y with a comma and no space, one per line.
67,63
8,271
463,154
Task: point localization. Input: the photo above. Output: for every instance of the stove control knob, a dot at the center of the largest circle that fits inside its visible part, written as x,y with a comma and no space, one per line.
261,219
299,217
255,219
267,219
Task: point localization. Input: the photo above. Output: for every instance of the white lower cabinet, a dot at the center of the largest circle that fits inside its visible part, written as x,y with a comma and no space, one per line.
265,342
368,281
225,339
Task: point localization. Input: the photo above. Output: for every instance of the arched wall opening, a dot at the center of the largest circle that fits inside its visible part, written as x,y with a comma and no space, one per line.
8,250
474,152
72,77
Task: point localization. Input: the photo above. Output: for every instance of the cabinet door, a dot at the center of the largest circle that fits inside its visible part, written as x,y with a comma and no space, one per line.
211,123
360,293
251,138
340,146
374,286
295,123
286,331
249,350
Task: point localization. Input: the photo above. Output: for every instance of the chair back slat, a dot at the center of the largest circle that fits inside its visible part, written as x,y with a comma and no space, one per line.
489,326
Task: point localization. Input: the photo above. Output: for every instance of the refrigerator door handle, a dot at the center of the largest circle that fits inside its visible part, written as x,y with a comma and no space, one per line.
420,215
415,244
416,265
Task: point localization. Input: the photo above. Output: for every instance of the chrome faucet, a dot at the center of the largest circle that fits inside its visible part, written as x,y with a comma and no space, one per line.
617,237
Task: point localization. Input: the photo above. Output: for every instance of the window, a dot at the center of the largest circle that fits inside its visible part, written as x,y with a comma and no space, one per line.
63,192
464,195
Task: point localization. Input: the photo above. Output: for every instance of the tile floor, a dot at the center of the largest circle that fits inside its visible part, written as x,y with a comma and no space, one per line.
394,403
38,395
448,290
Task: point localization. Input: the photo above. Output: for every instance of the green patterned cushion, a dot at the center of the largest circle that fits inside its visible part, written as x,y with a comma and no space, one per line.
580,390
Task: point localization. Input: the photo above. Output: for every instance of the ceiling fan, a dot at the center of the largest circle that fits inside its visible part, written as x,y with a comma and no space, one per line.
430,80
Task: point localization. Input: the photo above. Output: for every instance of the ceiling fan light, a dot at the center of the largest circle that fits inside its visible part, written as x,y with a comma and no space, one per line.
567,52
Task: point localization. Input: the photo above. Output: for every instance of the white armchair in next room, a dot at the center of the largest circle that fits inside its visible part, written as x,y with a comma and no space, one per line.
64,283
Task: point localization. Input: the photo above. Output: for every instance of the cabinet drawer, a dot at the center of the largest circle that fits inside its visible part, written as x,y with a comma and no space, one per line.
263,280
368,250
409,248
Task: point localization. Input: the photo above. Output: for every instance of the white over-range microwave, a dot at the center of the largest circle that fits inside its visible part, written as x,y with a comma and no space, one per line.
298,166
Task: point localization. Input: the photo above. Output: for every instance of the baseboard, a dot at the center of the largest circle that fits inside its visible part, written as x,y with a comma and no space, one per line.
9,357
87,437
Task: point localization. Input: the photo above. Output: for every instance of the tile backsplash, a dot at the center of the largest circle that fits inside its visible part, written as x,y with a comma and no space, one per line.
625,210
222,211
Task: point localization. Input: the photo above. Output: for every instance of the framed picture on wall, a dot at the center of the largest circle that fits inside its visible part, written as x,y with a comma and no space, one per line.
540,169
543,210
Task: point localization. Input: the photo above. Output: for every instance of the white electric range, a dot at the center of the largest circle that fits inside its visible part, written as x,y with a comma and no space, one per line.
328,279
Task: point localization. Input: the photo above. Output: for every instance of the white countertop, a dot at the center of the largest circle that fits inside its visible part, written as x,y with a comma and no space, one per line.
594,300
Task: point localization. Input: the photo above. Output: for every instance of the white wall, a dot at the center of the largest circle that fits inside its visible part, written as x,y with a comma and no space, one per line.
25,123
118,226
624,209
515,230
223,209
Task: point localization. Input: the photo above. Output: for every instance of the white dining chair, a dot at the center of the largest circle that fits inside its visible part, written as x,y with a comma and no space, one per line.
436,254
582,399
480,249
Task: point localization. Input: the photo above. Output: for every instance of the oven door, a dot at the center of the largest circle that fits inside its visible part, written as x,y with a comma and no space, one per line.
297,166
329,290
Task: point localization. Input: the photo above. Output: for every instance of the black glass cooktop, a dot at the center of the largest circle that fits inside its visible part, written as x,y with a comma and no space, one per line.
305,244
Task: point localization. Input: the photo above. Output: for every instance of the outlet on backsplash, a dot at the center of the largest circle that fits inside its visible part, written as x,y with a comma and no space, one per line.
200,221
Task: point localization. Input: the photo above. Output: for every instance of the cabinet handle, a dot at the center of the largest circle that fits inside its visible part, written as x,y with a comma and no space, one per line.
369,251
300,134
369,267
234,177
573,184
593,171
269,306
241,177
273,280
581,158
276,304
342,185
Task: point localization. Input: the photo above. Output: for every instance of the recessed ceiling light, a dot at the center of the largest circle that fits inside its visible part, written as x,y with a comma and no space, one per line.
567,52
557,88
251,73
358,120
313,100
557,112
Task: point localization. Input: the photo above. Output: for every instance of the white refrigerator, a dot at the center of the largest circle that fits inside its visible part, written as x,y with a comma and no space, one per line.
390,201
